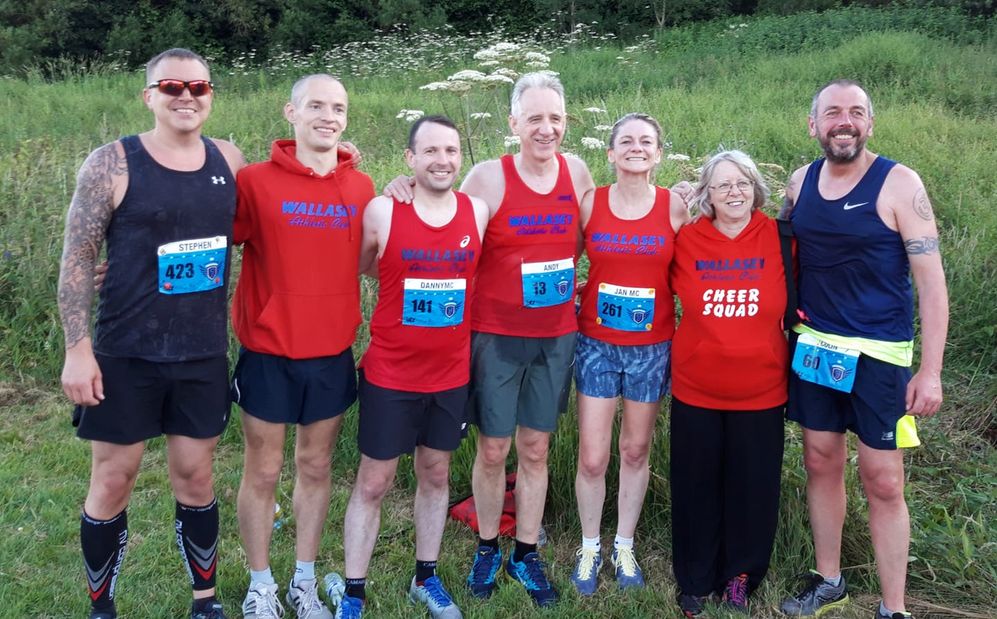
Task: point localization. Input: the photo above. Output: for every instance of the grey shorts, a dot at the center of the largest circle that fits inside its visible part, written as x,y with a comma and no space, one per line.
519,381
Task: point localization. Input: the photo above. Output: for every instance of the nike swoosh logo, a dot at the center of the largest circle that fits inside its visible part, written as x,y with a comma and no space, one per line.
849,207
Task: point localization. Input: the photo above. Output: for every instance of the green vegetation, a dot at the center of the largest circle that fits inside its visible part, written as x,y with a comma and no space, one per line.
931,73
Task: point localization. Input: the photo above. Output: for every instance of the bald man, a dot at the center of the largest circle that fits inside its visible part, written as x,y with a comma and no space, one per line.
296,310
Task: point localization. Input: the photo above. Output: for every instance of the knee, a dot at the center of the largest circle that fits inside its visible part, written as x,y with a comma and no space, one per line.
492,454
109,490
434,477
193,484
634,453
371,487
593,465
821,462
314,468
884,486
533,452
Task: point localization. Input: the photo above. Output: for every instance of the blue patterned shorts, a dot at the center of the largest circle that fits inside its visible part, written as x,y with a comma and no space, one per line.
638,373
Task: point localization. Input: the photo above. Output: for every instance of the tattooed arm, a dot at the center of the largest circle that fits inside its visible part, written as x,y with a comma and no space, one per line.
915,221
100,186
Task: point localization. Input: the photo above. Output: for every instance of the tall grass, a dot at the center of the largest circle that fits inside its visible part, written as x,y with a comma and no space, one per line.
749,87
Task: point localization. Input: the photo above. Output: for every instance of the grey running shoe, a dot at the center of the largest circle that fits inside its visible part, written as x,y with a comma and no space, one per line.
897,615
303,598
817,597
432,594
261,602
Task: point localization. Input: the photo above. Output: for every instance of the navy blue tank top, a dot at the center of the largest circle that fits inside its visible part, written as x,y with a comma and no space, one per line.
854,272
168,252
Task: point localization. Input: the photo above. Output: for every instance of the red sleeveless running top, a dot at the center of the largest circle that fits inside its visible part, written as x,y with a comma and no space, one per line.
627,300
526,279
420,336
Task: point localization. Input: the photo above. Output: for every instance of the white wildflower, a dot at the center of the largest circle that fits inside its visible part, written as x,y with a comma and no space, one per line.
506,72
677,157
593,143
467,75
505,46
595,110
489,63
480,115
497,79
435,86
603,128
411,115
536,57
536,64
511,140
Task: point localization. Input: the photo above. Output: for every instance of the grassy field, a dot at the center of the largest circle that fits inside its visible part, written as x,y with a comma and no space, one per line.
931,74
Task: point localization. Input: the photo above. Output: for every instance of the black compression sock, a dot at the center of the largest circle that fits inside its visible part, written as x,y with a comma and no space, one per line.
104,543
197,539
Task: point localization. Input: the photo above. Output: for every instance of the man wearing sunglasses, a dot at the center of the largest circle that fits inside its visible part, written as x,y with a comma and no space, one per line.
296,310
163,201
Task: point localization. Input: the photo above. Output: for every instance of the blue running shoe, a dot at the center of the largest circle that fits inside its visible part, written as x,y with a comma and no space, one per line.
530,573
628,573
481,580
349,608
586,574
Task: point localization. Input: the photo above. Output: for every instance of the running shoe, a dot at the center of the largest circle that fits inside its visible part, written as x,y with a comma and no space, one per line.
692,605
303,598
628,573
261,602
214,611
530,573
104,614
481,580
435,597
897,615
817,597
735,595
586,573
349,608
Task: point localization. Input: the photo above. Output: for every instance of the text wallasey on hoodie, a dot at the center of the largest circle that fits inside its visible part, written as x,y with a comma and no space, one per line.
298,295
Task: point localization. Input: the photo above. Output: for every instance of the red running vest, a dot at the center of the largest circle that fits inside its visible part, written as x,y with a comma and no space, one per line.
421,271
528,228
627,300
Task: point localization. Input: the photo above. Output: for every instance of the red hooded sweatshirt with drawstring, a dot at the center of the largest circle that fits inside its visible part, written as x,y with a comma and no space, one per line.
298,294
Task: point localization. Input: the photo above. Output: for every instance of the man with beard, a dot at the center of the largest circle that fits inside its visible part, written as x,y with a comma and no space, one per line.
864,225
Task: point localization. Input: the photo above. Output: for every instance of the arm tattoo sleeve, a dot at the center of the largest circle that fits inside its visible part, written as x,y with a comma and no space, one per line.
922,206
924,245
86,226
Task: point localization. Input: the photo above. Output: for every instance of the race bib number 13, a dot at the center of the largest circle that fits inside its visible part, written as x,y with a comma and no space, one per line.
196,265
548,283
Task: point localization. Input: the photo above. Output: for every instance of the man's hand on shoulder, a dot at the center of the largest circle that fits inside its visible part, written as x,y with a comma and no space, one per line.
400,188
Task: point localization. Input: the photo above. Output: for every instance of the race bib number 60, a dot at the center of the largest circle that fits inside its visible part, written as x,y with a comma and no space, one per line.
196,265
548,283
825,364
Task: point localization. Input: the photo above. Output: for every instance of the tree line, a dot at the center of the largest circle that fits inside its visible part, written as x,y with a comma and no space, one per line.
36,32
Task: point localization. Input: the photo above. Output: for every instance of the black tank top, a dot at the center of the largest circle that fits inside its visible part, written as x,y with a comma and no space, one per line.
168,252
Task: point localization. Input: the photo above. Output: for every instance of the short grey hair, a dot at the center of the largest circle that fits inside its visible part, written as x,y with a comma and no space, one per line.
839,82
540,79
298,90
701,196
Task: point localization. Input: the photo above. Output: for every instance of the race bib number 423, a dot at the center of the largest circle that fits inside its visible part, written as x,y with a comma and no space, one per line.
825,364
196,265
548,283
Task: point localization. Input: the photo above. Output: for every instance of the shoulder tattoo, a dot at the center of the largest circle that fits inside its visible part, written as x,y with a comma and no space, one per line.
922,206
86,226
923,246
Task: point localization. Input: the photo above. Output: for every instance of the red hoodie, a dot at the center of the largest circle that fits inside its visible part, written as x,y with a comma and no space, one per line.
298,295
729,351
